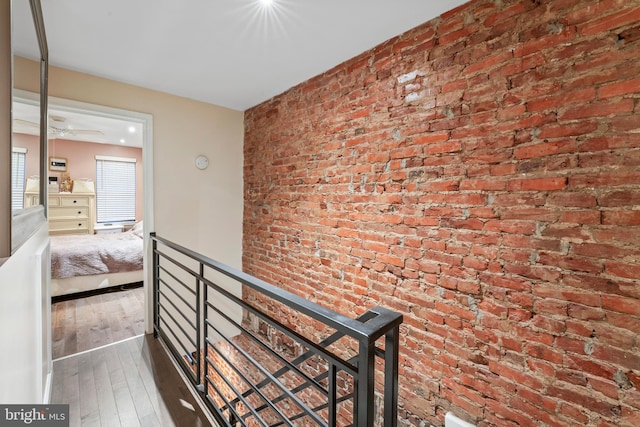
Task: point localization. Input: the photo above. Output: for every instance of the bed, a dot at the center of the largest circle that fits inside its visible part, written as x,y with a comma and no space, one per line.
97,262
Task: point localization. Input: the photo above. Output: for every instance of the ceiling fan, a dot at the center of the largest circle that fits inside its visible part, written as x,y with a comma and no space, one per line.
58,128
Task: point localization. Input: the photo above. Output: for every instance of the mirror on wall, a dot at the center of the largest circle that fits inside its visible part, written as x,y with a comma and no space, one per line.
25,151
28,124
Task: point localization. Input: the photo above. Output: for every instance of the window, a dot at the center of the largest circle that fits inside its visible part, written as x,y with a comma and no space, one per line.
115,189
18,177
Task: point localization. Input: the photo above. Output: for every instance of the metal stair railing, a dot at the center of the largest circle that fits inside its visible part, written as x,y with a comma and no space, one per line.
261,356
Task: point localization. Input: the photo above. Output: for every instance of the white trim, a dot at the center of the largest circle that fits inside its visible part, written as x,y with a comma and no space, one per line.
116,159
26,97
147,178
97,348
19,150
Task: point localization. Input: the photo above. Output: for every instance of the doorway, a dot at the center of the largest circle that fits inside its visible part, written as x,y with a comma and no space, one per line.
91,117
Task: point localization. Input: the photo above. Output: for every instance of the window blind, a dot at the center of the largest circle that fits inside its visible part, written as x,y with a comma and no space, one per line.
115,189
18,177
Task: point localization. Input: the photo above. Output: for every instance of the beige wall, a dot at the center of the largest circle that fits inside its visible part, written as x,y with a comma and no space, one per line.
199,209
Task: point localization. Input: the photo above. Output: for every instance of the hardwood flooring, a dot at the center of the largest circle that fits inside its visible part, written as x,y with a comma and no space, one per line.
111,374
82,324
130,383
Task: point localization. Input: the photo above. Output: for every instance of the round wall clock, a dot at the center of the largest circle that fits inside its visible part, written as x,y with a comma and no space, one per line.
202,162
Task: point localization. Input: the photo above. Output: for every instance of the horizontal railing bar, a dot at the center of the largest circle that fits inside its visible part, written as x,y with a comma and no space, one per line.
301,387
384,321
301,374
183,268
328,341
316,409
271,351
184,316
324,343
267,374
178,325
309,353
316,311
169,287
239,417
305,385
173,334
174,350
214,405
248,382
316,348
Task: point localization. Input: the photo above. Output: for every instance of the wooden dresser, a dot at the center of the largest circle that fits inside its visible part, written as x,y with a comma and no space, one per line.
71,213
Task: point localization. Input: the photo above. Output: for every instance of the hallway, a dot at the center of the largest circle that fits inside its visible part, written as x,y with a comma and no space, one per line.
129,383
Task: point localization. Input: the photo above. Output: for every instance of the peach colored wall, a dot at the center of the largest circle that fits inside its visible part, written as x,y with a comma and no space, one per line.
32,144
81,161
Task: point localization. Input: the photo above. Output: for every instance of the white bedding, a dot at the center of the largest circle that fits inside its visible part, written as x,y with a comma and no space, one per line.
86,255
82,263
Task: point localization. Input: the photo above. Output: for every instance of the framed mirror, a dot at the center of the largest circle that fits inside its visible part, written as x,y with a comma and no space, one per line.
25,160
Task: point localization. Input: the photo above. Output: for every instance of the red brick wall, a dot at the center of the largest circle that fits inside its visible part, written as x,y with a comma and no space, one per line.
481,175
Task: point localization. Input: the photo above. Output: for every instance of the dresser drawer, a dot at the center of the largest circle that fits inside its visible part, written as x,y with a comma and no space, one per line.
69,212
74,201
69,225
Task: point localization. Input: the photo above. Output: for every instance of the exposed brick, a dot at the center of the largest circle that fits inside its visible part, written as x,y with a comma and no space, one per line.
572,199
541,184
480,173
621,217
621,304
583,398
597,110
612,21
544,149
620,198
619,88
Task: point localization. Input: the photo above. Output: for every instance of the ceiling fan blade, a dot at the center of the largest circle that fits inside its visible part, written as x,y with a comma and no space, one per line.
25,123
85,132
26,127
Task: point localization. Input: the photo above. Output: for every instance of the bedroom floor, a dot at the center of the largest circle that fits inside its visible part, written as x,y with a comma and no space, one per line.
91,322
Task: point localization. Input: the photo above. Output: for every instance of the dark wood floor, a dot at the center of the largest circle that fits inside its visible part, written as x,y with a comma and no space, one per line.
85,323
130,383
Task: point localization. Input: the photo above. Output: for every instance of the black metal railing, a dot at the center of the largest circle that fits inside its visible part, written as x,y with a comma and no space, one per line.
262,356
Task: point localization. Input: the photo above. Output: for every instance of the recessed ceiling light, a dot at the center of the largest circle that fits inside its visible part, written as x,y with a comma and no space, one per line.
266,2
122,141
132,129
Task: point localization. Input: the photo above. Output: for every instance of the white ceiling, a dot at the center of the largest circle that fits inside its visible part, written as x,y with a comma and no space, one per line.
232,53
77,126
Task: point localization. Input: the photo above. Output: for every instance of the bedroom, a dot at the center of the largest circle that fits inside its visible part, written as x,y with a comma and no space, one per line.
95,207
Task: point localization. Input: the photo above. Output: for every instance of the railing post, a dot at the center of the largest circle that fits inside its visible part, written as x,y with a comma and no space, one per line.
367,330
205,317
391,349
332,398
199,324
366,384
156,284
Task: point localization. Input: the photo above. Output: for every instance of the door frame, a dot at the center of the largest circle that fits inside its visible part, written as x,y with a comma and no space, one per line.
146,120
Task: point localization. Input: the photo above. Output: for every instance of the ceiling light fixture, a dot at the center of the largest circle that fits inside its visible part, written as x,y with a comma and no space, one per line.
122,141
266,3
132,129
